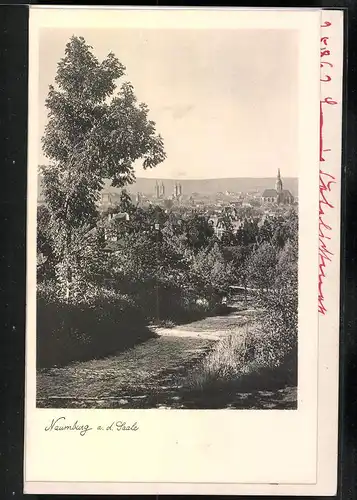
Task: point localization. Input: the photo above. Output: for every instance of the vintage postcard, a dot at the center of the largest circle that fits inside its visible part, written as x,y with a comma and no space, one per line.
183,251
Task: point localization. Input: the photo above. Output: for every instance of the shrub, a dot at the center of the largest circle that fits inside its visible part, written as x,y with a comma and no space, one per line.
102,324
274,345
274,272
210,275
280,323
242,364
230,358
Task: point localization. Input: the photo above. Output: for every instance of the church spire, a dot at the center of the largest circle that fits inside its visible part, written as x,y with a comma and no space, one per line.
278,183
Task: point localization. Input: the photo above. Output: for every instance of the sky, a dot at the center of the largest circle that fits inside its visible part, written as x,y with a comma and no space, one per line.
224,101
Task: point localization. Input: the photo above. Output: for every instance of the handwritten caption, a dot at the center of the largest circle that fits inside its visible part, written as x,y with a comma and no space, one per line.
61,424
327,180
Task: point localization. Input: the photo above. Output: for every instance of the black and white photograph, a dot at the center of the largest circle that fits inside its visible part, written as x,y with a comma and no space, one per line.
183,251
167,219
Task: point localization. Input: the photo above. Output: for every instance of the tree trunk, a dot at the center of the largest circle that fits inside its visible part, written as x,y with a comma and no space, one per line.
67,291
68,269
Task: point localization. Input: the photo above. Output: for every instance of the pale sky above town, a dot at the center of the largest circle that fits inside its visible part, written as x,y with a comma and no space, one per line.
225,102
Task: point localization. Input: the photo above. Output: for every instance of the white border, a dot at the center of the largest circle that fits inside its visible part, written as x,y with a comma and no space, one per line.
245,446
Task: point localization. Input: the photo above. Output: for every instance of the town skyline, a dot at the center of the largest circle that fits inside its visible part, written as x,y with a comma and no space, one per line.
203,186
210,185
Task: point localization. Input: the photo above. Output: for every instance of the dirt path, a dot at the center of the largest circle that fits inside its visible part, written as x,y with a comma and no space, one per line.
212,327
149,375
136,374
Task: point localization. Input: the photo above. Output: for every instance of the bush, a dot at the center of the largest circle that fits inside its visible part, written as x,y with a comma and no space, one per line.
280,323
230,358
265,355
105,323
278,340
274,272
169,304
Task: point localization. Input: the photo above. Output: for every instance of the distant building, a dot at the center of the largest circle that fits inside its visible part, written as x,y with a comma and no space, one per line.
177,190
217,225
109,198
220,228
177,194
159,191
278,195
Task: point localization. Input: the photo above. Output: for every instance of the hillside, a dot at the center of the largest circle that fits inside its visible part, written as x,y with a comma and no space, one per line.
205,186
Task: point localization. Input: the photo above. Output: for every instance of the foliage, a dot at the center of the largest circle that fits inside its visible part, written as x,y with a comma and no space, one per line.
157,263
197,230
281,323
243,363
46,259
279,229
168,279
211,274
126,204
247,234
94,326
261,266
238,256
83,266
90,135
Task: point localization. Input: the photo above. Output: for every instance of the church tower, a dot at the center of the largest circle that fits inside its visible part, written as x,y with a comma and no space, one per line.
157,190
278,183
162,190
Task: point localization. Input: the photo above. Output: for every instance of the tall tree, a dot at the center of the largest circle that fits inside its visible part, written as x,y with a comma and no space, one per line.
199,231
261,267
91,135
211,274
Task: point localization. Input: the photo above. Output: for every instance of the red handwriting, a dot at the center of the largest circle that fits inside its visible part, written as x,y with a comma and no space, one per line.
326,180
325,255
